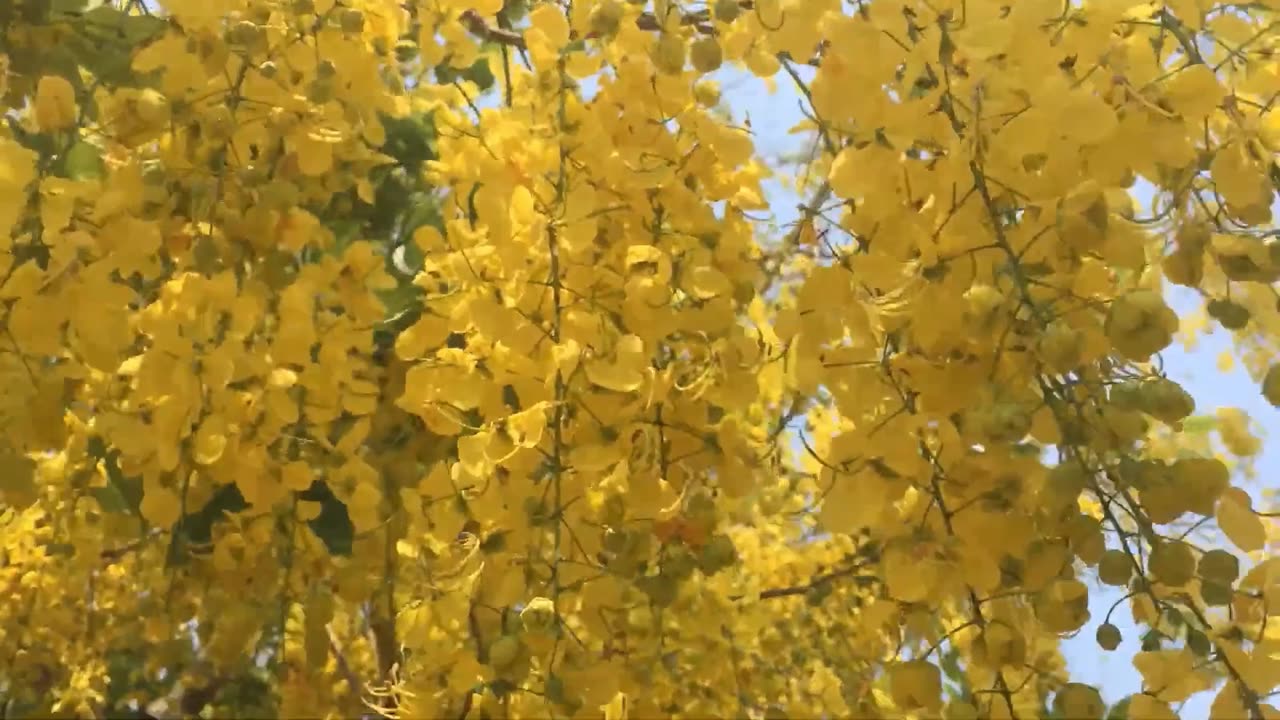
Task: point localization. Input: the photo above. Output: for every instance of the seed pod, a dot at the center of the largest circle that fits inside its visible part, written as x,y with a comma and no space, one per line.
1271,385
1172,563
1230,315
669,54
606,18
727,10
706,55
1115,568
504,651
351,20
1108,636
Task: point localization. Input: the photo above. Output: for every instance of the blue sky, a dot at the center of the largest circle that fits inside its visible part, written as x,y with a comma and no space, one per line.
772,115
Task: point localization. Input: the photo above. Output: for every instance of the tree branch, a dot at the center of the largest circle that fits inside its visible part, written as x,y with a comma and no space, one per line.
700,19
344,667
111,555
814,582
477,26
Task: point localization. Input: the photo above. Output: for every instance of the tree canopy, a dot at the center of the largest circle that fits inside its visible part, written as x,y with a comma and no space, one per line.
452,359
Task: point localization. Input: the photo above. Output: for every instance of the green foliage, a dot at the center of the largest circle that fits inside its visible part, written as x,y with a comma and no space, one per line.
333,524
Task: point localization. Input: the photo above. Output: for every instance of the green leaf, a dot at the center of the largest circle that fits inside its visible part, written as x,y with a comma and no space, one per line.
333,524
410,140
494,543
1152,640
17,479
62,61
554,689
423,210
106,40
345,231
479,73
1119,711
502,687
83,161
111,499
57,549
59,9
950,664
1036,269
1199,424
277,269
392,198
121,494
41,143
126,673
400,302
132,30
196,528
513,11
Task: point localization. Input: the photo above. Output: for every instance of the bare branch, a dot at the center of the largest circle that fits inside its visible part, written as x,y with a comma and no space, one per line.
700,19
816,581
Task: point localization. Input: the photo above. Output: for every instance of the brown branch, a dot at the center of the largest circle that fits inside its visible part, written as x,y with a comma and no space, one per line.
111,555
344,667
386,650
1179,32
814,582
700,19
477,26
